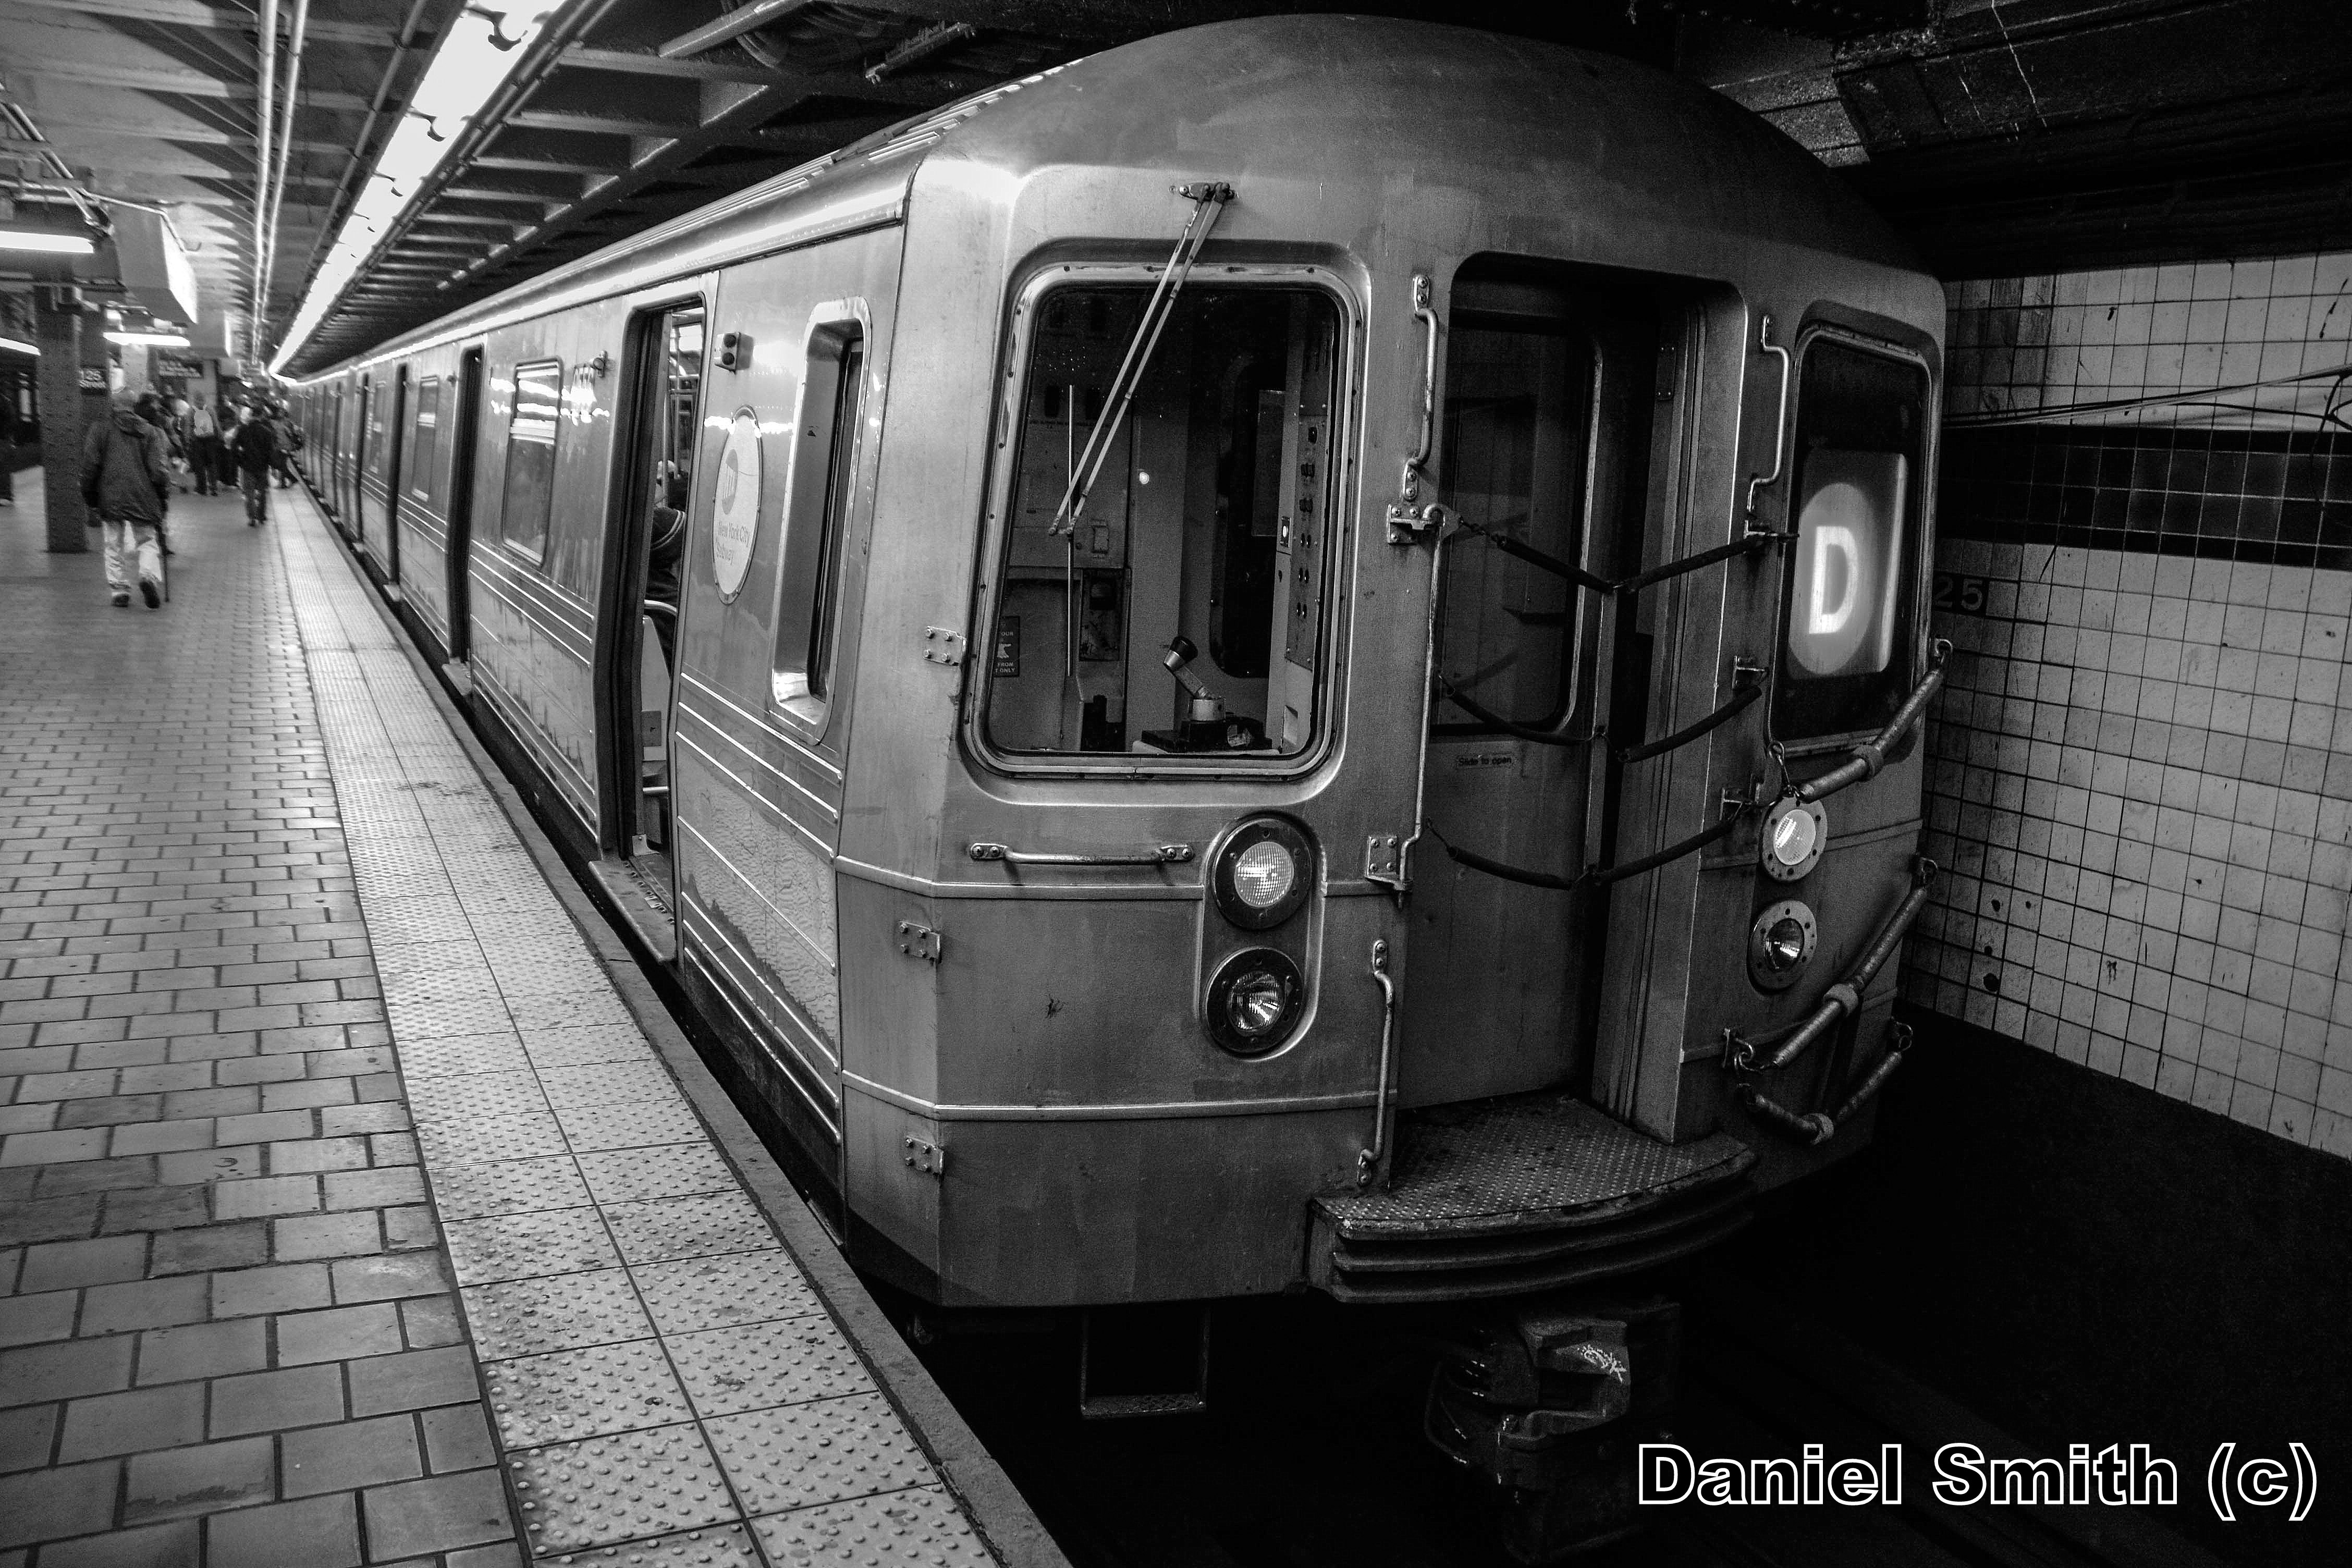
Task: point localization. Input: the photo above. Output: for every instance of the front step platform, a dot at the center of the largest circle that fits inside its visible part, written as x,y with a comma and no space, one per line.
1501,1197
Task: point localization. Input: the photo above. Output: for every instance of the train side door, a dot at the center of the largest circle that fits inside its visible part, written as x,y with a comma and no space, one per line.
1545,442
355,509
646,549
466,437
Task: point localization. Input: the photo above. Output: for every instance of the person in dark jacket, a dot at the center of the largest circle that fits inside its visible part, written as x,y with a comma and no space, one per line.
255,446
152,408
663,562
126,471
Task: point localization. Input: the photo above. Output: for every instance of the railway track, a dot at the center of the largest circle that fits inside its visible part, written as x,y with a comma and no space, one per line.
1308,1457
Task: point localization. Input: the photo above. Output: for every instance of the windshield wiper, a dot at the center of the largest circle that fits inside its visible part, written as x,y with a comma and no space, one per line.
1208,198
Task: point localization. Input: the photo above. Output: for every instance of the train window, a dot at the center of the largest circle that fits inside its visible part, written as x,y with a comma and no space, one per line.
530,495
1520,376
1183,612
816,507
1854,496
423,439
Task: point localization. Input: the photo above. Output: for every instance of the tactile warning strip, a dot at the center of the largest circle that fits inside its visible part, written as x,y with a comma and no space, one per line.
667,1388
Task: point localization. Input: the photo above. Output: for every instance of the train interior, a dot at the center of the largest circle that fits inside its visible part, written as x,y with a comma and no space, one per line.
1172,604
659,480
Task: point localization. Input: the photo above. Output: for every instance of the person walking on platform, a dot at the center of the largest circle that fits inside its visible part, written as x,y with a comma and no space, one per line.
125,473
223,427
152,410
290,441
202,440
256,449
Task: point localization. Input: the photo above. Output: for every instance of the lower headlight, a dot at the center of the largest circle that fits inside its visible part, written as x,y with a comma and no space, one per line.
1781,943
1255,1001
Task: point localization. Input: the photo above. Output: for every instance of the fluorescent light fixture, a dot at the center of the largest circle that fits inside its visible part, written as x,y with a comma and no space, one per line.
479,50
21,346
154,339
14,238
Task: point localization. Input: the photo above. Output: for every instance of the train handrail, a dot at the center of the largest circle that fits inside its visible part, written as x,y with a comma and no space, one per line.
1367,1160
1866,759
1594,876
1820,1127
1780,428
1617,587
1157,854
1844,997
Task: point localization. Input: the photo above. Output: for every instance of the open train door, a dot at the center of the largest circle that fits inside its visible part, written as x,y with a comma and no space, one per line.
1550,376
459,556
638,642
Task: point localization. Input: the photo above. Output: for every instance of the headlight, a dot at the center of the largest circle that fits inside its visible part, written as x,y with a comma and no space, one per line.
1255,1001
1262,873
1794,836
1781,943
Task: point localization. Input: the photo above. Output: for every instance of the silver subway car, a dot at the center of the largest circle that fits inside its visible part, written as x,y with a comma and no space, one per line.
1286,656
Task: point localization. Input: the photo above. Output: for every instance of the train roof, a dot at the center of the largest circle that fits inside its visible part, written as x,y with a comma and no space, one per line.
1414,112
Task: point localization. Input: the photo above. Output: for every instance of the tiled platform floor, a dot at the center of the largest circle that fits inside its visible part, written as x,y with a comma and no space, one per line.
234,1323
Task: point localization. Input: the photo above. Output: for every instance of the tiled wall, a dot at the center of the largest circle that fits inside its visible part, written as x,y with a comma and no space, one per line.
2141,775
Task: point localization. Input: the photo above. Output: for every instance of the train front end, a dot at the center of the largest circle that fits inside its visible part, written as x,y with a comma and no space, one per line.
1436,772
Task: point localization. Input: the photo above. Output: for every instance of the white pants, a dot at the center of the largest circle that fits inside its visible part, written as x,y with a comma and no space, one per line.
118,539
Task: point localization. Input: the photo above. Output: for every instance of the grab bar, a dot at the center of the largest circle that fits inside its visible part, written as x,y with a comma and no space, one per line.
1780,425
1866,759
1157,854
658,607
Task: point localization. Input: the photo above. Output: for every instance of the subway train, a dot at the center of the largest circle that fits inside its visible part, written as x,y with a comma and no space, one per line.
1286,658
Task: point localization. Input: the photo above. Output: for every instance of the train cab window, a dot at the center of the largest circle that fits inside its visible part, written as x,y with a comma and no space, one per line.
1181,612
1854,496
423,440
529,496
816,509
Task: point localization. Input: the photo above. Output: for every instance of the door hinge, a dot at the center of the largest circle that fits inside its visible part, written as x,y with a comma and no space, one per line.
942,646
930,1158
918,941
1382,853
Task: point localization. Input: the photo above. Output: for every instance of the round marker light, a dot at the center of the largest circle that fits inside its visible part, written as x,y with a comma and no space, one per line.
1262,873
1795,834
1781,943
1255,1001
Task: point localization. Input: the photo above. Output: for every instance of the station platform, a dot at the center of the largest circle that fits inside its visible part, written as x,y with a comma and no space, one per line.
356,1204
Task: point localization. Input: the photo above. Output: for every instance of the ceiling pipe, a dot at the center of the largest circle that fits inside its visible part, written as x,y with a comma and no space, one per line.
266,47
410,38
733,25
285,150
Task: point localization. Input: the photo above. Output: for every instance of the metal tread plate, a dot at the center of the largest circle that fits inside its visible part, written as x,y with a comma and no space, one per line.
1531,1161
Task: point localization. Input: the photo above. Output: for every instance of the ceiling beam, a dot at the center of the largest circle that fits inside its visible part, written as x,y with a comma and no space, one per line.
588,123
186,14
186,83
164,131
630,62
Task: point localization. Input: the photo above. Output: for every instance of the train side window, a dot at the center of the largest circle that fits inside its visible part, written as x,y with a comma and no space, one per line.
1182,612
1854,496
424,438
816,507
529,498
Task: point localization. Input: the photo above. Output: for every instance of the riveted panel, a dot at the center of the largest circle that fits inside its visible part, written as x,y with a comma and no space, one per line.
564,1311
519,1246
665,1228
718,1292
758,1364
621,1488
917,1526
805,1455
585,1393
491,1138
508,1186
629,1126
666,1171
456,1056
